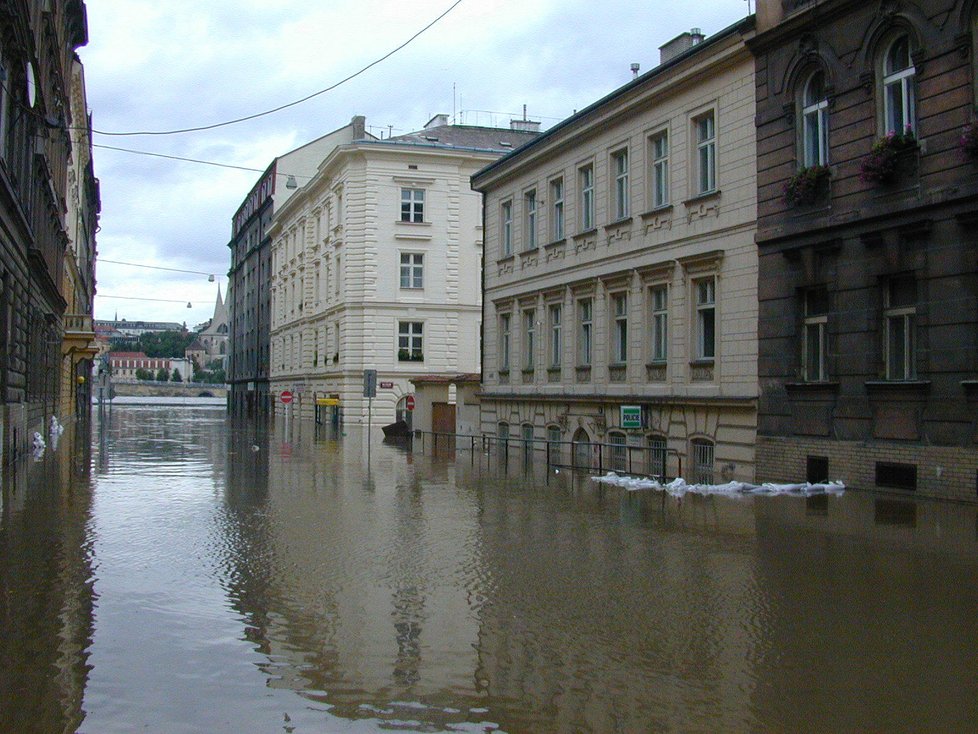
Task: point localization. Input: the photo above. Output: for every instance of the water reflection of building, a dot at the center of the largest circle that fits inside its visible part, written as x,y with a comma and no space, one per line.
46,573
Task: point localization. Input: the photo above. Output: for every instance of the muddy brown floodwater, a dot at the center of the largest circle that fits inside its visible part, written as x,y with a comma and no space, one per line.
173,571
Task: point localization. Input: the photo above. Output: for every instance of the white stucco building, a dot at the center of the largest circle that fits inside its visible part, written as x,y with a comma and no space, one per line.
376,264
621,273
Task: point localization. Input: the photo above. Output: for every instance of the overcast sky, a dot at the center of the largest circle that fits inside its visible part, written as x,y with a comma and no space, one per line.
160,66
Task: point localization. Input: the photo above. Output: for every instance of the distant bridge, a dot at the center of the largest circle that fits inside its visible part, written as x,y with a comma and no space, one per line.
150,388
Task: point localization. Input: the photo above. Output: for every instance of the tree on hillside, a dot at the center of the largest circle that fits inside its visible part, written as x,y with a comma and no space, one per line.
162,375
156,343
176,376
142,374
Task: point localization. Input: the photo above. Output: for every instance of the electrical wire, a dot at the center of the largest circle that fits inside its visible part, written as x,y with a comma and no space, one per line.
330,88
179,158
155,267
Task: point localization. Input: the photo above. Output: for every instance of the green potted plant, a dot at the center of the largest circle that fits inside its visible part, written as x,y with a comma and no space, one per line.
807,186
884,162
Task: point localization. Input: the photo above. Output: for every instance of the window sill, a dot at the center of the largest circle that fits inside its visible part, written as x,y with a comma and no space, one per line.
656,211
825,386
506,258
702,362
897,385
555,243
529,251
585,233
412,224
618,223
700,198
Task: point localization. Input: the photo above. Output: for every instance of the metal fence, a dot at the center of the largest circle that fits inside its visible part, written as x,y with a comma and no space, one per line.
591,456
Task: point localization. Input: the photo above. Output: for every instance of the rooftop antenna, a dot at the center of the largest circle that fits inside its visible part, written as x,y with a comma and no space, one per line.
524,113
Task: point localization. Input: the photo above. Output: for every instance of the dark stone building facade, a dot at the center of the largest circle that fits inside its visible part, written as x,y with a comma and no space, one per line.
37,44
868,244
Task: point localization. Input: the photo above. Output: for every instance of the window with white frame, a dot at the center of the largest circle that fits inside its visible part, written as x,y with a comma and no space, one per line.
412,270
529,337
659,323
585,177
530,220
557,209
584,332
504,343
412,205
815,122
900,317
506,227
556,340
705,136
619,328
899,104
619,161
659,155
815,339
705,318
410,341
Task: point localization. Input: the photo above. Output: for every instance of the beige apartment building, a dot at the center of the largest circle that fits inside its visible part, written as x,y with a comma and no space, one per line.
620,301
376,265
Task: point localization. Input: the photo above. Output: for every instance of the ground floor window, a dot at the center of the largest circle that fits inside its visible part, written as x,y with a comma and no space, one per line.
582,449
657,457
619,452
702,461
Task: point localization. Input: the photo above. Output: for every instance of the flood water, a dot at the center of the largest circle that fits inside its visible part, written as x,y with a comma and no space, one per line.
177,572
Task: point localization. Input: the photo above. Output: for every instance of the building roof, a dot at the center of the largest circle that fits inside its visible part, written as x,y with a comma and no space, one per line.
648,78
465,137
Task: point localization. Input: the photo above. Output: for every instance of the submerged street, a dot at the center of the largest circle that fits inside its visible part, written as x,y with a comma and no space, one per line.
175,571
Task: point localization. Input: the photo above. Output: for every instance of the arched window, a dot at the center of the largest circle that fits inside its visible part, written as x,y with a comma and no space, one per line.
815,122
526,431
702,460
619,453
582,449
899,100
657,457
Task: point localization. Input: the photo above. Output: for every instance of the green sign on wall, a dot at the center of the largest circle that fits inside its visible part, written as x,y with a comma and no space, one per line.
631,416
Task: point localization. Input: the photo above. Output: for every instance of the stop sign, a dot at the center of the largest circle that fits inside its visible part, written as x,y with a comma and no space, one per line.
409,402
286,397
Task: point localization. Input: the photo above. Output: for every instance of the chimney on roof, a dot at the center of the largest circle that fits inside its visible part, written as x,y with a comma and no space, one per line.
679,44
359,124
436,121
526,126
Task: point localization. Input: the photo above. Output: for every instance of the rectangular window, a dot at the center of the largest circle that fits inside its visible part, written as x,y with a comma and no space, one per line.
530,220
815,345
706,146
504,342
619,452
620,167
412,270
586,180
410,346
584,332
556,342
660,323
702,461
619,330
506,226
659,145
557,209
529,337
706,319
412,205
900,326
657,457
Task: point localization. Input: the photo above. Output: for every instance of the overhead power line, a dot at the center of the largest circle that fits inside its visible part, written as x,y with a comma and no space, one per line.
330,88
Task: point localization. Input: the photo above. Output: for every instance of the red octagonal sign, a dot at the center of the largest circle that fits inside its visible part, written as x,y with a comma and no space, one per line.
286,397
409,402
